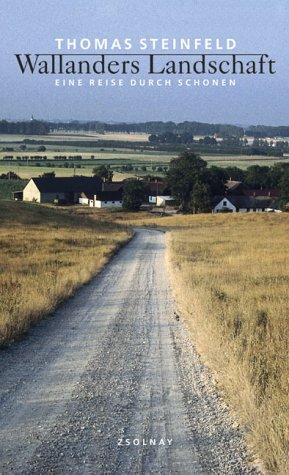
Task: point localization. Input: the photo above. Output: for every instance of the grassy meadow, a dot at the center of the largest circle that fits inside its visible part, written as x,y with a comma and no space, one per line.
231,278
46,254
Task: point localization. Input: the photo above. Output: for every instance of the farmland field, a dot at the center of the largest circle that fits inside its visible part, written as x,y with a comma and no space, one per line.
242,161
141,161
33,172
94,154
137,137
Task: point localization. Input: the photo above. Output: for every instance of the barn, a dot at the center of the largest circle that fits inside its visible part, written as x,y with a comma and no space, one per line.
65,190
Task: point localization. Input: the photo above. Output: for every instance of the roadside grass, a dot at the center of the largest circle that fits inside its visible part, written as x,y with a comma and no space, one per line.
231,278
230,275
46,254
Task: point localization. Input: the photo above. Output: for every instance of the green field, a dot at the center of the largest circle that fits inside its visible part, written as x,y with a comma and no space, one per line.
103,154
93,155
243,161
137,137
32,172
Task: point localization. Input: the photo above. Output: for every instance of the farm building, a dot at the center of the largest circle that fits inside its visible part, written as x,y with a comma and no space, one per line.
110,196
238,198
242,204
164,201
113,186
66,190
158,193
102,199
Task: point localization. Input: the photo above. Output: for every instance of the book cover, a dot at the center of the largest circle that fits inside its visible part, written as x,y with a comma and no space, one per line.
144,191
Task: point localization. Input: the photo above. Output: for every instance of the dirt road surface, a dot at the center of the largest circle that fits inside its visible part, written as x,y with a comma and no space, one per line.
112,384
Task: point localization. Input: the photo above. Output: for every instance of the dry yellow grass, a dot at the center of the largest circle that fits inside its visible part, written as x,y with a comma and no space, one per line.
46,254
231,276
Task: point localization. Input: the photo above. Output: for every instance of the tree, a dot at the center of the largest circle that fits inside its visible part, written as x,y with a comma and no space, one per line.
183,174
133,194
9,176
200,198
103,172
217,178
153,138
234,173
277,172
284,190
258,176
41,148
48,175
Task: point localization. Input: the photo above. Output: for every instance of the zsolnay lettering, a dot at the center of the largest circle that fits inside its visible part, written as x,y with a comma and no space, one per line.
150,442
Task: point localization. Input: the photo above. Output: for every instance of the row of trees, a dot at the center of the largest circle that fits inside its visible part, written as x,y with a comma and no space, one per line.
191,127
33,127
153,127
36,127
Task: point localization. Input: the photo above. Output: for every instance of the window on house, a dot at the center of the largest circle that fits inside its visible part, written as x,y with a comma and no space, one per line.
225,203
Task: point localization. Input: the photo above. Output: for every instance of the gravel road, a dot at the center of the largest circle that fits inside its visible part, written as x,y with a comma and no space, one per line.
112,384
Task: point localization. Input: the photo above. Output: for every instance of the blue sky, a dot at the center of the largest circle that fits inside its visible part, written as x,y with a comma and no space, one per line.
31,26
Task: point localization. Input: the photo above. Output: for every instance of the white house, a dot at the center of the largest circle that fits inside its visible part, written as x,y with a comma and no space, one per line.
241,204
224,205
164,200
103,199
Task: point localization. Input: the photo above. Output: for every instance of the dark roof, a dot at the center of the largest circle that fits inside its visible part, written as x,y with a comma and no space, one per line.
232,184
109,196
104,195
75,184
112,186
265,192
242,201
157,188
